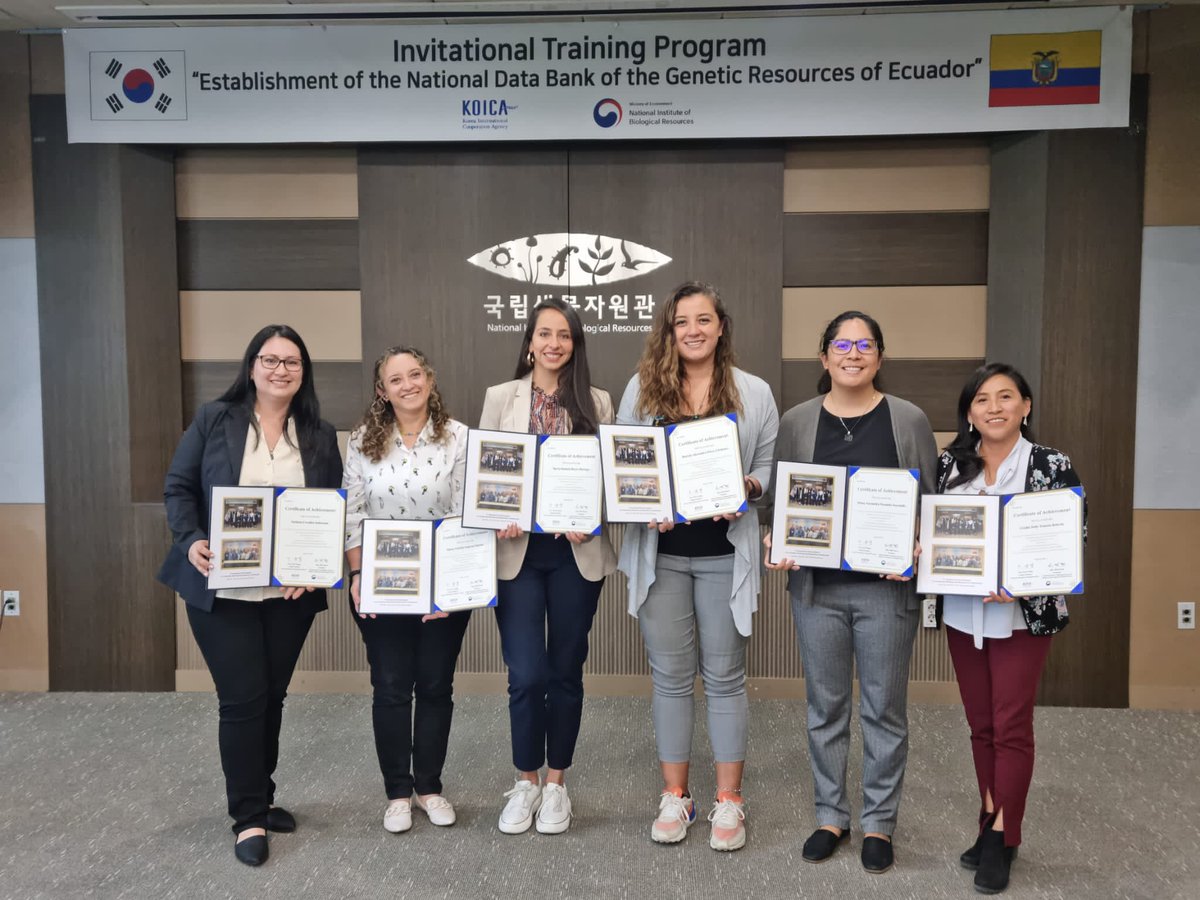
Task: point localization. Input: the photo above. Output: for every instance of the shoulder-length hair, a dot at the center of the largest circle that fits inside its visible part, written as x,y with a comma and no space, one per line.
575,378
661,371
304,409
825,382
379,420
964,446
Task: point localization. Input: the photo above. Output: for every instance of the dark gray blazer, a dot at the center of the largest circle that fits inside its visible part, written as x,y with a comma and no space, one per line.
797,441
210,454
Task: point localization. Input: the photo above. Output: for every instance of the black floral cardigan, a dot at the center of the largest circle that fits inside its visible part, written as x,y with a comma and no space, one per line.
1049,470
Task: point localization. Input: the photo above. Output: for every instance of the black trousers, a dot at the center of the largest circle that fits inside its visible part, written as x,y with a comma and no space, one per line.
251,650
409,657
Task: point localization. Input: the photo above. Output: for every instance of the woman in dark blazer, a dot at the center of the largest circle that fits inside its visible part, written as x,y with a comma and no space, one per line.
265,430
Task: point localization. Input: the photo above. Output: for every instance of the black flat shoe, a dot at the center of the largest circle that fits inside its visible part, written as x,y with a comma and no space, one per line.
995,861
877,856
280,820
821,844
252,851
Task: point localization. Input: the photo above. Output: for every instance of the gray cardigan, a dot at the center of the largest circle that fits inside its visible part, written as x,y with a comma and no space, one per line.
915,448
757,427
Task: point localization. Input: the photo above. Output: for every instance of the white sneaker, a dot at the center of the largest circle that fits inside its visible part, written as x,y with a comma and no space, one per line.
438,808
675,816
523,801
398,816
728,825
554,816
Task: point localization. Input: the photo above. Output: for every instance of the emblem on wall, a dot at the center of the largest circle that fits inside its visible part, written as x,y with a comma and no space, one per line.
569,259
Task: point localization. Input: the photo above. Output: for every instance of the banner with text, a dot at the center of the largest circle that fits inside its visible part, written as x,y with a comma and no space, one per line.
745,78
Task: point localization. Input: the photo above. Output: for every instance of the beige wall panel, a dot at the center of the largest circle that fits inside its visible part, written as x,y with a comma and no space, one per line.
46,64
1172,176
943,439
24,640
16,162
935,322
1164,662
214,325
267,183
886,176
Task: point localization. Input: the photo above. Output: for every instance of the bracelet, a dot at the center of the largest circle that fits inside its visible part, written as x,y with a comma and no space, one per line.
354,572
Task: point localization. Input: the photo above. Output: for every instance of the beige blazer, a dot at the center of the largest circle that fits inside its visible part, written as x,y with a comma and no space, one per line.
506,408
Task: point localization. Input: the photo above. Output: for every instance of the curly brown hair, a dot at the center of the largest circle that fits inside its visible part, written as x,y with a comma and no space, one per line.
379,421
661,372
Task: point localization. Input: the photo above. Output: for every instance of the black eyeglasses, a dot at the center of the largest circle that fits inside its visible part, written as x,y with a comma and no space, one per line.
866,346
292,364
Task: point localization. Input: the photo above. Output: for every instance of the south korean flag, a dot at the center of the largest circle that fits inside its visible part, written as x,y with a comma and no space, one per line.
138,86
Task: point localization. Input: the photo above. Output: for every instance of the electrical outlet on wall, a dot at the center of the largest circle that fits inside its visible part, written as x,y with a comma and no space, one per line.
12,603
1187,615
929,612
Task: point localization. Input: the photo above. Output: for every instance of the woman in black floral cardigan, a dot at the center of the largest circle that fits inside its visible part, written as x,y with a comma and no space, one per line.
999,643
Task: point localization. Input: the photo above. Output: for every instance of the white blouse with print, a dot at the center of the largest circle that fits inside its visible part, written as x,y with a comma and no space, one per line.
971,614
422,483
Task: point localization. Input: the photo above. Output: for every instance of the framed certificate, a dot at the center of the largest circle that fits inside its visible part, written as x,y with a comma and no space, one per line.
1042,551
706,468
809,515
637,474
464,567
569,484
310,529
960,537
240,536
881,520
397,567
499,480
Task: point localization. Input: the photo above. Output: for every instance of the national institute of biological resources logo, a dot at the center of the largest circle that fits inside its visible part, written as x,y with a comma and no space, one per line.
138,86
607,113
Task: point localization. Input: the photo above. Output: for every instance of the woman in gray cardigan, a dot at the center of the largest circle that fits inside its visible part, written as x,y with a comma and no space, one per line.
694,587
845,619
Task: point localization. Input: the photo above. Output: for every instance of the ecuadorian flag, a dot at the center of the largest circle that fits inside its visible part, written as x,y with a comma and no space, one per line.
1045,69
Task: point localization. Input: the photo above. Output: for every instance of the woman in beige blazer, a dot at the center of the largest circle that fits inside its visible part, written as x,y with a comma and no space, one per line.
549,584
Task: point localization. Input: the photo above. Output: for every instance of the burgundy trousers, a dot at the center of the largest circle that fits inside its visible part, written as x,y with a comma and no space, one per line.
998,684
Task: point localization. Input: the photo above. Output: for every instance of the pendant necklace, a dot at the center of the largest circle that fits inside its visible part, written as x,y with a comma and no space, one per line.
849,431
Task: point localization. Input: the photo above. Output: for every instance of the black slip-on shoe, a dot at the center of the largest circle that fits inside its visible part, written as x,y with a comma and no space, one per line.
252,851
821,844
280,820
877,855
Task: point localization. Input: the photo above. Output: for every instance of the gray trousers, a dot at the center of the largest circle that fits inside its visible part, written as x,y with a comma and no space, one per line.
687,624
872,625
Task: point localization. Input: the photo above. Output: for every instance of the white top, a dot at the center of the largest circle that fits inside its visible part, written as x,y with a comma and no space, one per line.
261,467
971,614
422,483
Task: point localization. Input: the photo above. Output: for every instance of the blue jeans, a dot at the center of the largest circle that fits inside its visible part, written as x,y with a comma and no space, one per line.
544,615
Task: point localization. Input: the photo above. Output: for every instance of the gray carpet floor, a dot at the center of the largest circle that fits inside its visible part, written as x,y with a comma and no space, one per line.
119,795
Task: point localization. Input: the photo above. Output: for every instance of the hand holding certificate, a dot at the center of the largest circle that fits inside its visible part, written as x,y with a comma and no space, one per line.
637,477
706,468
809,515
310,527
241,536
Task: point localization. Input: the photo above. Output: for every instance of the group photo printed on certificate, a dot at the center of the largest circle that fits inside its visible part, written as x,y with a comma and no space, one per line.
569,484
422,567
959,545
637,475
499,479
706,468
310,528
240,535
809,513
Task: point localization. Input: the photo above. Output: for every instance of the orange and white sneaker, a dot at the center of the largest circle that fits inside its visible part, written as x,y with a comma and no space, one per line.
676,813
728,819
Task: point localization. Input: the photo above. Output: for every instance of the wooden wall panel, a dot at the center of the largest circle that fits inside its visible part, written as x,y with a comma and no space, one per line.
16,168
107,619
267,182
856,249
268,254
339,388
927,322
24,661
329,321
932,384
1173,60
46,64
899,175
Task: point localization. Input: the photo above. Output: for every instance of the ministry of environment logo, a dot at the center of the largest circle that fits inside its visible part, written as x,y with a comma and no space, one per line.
607,113
571,259
142,86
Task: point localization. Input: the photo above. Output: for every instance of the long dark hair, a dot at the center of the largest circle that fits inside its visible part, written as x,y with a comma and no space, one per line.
825,382
962,448
304,408
575,379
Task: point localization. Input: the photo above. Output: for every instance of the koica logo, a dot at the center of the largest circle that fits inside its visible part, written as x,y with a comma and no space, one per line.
146,86
569,259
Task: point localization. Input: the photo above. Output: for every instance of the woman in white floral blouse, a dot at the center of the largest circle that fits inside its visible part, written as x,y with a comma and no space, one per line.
999,643
407,460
